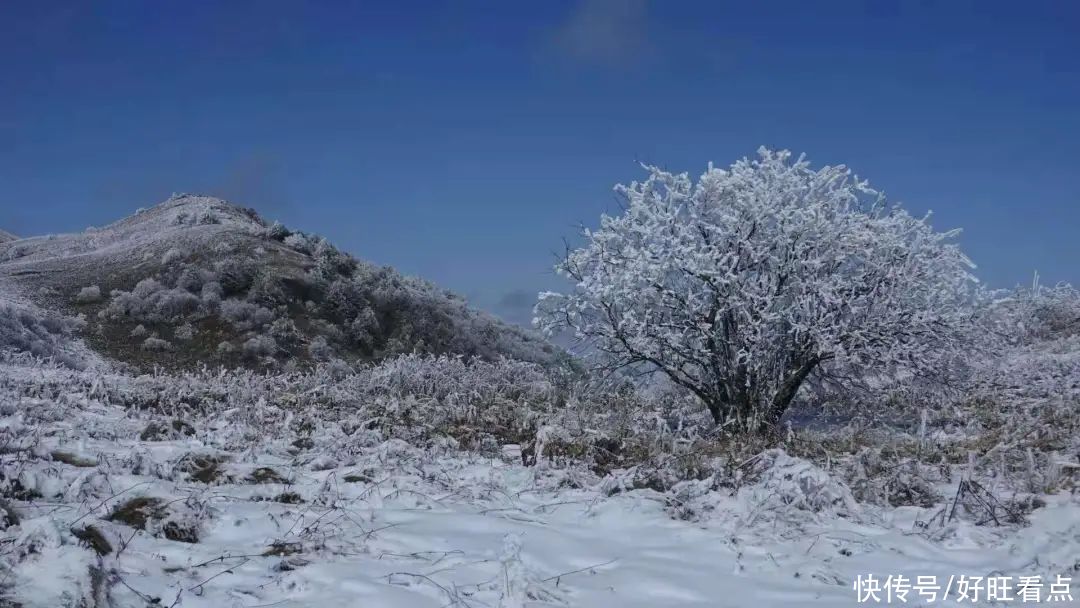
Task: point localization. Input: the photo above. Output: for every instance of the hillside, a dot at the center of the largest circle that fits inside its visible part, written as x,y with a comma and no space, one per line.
196,280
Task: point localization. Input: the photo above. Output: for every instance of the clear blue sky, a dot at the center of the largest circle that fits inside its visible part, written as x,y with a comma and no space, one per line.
461,140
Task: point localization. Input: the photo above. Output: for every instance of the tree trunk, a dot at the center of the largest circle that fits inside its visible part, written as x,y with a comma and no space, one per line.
783,397
723,409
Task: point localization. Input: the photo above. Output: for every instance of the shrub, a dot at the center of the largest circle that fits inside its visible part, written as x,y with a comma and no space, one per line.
319,349
184,332
41,334
150,301
260,346
245,315
155,344
171,256
89,295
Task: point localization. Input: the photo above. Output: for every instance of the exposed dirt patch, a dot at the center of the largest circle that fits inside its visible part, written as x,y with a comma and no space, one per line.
138,511
266,475
72,459
282,549
94,539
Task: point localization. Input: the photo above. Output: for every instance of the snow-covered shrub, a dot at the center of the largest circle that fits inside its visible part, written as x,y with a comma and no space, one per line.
150,301
15,252
184,332
190,279
878,477
331,261
300,242
746,284
211,295
776,488
171,256
224,247
46,335
286,334
1027,316
364,328
343,300
260,346
245,315
265,290
277,232
88,295
319,349
155,344
235,274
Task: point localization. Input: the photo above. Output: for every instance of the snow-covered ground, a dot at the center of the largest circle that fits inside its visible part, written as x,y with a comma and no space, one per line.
348,519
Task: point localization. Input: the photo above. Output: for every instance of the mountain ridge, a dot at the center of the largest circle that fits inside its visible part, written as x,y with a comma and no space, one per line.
196,280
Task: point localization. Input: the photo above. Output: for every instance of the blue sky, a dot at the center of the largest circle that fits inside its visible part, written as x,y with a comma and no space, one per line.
462,140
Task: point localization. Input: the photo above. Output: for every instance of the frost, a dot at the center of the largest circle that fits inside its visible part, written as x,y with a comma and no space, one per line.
753,281
184,332
154,343
245,315
88,295
385,447
171,256
260,346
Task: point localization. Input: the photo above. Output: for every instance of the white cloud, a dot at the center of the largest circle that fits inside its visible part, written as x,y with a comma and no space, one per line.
604,32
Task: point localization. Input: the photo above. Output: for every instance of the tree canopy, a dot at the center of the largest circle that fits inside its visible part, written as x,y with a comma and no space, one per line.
743,284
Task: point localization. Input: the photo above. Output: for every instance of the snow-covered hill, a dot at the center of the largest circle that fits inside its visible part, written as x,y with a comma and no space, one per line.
197,281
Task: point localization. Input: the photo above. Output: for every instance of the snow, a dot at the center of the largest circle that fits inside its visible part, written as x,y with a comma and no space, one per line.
392,525
238,489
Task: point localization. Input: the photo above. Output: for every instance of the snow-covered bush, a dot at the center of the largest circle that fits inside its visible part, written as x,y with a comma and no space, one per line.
184,332
211,294
260,346
15,252
745,284
300,242
235,274
319,349
285,332
150,301
155,344
245,315
1028,316
190,279
277,232
265,290
88,295
46,335
171,256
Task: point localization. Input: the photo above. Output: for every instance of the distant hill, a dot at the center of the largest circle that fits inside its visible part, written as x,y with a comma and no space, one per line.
196,280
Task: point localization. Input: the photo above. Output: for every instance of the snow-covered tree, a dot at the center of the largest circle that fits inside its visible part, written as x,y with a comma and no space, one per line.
743,285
